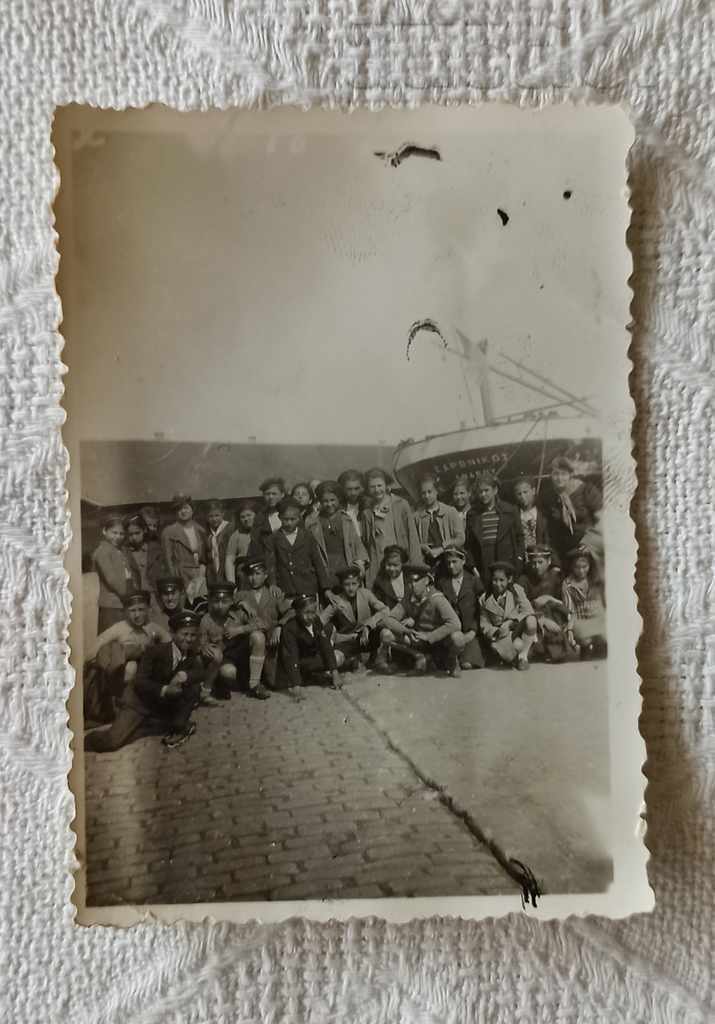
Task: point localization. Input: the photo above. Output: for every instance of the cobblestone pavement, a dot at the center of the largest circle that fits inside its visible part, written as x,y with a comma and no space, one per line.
275,800
358,794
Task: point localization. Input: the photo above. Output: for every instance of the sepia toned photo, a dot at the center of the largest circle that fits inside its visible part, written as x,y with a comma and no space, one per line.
352,561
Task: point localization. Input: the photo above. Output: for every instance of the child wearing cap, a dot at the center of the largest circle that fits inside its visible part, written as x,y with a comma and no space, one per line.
111,661
356,614
305,654
387,521
506,618
171,598
390,585
253,632
543,586
217,535
438,525
184,545
573,508
585,604
212,631
335,534
163,694
117,575
423,624
292,557
462,590
239,542
493,528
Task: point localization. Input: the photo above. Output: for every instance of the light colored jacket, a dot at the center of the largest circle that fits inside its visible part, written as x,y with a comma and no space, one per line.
370,612
451,525
492,614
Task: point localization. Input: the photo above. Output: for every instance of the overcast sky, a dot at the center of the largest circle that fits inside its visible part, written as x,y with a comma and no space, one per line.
232,280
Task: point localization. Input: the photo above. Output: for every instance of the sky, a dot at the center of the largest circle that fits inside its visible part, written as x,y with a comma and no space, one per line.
252,277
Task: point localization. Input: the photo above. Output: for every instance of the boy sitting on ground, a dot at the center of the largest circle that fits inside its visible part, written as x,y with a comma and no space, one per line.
112,659
423,623
305,654
211,641
462,590
162,696
543,586
506,617
356,614
254,632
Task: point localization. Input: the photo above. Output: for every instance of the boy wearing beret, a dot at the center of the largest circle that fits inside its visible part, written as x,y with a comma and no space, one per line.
305,654
356,614
423,624
462,590
253,632
212,635
163,694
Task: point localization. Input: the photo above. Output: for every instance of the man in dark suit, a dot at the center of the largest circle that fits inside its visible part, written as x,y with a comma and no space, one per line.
306,654
163,694
494,532
462,590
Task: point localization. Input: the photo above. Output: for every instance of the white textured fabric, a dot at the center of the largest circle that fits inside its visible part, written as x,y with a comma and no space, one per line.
657,57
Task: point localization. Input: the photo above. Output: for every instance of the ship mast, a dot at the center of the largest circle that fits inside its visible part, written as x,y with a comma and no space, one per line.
475,354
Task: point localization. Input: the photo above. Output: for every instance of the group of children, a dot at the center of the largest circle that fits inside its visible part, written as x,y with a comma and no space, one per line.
337,576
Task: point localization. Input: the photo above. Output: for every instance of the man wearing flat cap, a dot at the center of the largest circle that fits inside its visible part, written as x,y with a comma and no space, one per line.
163,694
171,597
423,624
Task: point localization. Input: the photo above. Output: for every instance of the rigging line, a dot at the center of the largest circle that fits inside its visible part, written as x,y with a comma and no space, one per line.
528,386
545,380
520,445
543,456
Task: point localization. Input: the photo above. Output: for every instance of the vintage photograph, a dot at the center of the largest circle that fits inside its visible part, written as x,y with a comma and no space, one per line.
349,430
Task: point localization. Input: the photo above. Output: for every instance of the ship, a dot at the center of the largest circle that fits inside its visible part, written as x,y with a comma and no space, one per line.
511,445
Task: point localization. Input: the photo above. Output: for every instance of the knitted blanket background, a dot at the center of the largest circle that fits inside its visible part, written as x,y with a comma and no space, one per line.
658,58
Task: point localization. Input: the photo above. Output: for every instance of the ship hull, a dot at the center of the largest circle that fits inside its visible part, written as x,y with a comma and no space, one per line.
510,450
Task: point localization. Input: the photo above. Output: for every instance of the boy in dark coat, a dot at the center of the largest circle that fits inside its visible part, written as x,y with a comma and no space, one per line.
171,597
335,533
543,585
163,694
494,531
462,590
573,509
306,654
267,520
117,574
292,556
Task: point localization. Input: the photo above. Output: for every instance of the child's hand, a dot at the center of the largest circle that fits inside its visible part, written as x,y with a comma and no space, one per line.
408,623
275,637
364,635
172,689
503,631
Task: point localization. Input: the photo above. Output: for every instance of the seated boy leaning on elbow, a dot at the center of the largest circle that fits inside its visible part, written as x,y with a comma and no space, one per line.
423,624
